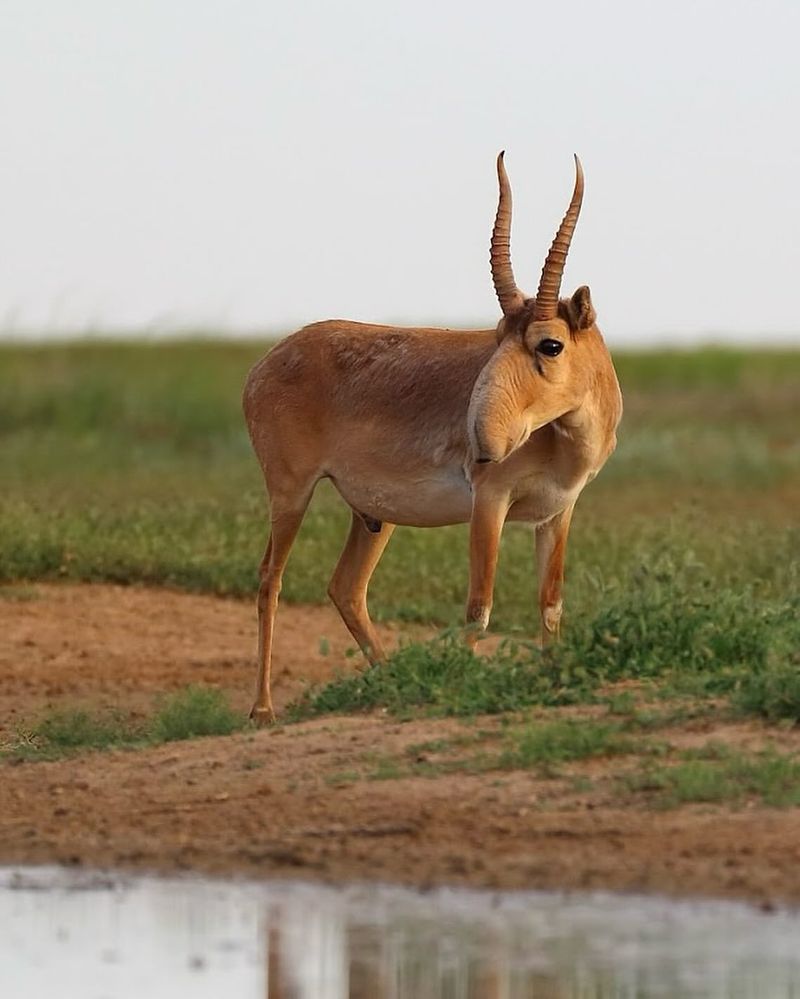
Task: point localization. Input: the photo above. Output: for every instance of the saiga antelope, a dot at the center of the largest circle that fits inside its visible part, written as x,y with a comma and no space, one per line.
427,427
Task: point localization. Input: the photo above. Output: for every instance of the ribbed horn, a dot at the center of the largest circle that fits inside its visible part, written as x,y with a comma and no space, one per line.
508,294
546,306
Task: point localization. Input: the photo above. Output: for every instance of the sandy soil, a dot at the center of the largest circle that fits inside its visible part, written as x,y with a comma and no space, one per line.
284,802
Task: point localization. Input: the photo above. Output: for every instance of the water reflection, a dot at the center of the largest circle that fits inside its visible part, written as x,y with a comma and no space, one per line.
92,937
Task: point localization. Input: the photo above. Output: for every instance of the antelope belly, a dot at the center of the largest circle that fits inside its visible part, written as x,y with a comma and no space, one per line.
430,500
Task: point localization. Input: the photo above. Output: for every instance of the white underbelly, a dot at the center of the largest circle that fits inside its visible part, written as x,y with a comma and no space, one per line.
440,496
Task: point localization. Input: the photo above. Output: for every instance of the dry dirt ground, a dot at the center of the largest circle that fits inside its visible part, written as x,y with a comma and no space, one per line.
285,801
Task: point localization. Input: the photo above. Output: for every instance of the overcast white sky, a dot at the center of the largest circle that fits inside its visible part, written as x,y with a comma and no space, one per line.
258,165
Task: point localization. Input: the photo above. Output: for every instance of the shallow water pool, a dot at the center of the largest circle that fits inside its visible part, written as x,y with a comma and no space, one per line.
98,936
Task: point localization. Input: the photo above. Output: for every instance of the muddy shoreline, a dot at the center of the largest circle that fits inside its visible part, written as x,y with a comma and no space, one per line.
293,802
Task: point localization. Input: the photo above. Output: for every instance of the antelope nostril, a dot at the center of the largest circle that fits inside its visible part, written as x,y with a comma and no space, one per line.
482,461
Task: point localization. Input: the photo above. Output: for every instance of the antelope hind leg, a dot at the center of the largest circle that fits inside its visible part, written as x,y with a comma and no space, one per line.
285,524
348,586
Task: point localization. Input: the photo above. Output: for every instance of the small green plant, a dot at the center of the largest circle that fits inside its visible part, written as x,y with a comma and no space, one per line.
195,711
622,703
386,768
431,746
80,729
550,743
773,693
713,750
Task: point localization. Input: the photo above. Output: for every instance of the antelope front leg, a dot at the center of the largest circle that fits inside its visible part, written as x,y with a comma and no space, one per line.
551,548
486,525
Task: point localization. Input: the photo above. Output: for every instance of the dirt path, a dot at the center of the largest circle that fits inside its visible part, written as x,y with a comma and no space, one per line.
287,801
120,646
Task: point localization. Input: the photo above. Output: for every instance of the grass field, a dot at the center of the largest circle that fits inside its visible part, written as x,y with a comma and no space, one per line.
676,685
129,462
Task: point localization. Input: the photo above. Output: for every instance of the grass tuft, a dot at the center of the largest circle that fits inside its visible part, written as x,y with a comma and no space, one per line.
672,618
80,729
444,677
195,711
724,776
545,744
188,714
533,745
773,694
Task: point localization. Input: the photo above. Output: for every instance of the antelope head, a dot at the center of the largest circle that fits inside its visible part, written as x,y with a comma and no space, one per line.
544,364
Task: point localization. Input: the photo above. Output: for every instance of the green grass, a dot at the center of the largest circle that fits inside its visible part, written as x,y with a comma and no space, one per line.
520,745
190,713
193,712
726,776
129,462
545,745
774,693
81,729
674,628
444,677
713,773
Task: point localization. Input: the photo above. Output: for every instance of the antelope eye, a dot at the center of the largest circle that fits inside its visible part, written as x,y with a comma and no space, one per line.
550,348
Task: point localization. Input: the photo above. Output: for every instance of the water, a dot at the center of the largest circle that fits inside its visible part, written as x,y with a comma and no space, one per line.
92,936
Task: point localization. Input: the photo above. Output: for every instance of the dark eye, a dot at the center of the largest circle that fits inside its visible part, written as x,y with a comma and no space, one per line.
550,348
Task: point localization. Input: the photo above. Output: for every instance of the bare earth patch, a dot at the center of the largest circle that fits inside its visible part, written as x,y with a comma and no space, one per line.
298,800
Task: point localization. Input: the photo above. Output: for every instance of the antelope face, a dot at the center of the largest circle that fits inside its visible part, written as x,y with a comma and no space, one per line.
544,359
537,374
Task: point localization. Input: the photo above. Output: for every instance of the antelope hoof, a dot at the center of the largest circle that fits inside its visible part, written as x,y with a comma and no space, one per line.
473,633
551,624
262,716
477,621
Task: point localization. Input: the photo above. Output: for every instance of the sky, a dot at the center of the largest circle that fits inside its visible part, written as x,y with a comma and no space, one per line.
253,166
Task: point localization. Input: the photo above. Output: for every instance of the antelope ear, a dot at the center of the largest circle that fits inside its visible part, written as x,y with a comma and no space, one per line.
509,323
578,311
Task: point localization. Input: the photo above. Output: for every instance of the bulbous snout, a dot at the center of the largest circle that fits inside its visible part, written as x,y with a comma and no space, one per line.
490,435
492,441
483,454
496,418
